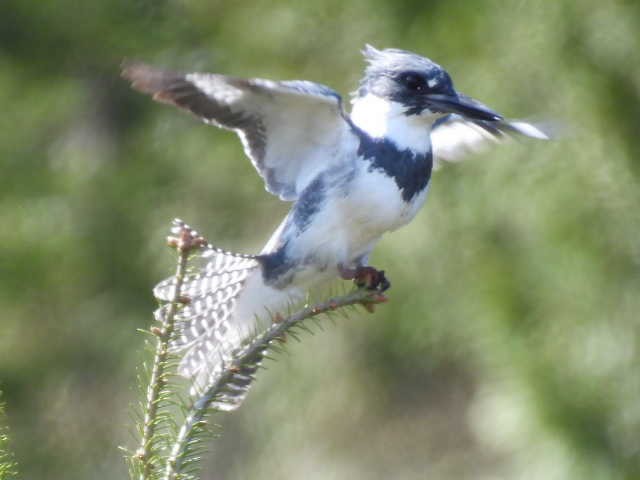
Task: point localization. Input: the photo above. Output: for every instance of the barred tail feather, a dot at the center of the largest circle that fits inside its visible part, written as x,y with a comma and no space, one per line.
224,295
212,351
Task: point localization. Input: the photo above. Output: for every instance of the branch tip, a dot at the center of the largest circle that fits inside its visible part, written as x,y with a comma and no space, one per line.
157,331
172,242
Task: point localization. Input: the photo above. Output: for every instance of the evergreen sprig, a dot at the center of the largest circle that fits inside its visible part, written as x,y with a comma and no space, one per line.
8,465
174,429
158,425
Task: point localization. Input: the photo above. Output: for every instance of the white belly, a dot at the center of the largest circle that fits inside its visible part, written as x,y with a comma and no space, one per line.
376,204
347,227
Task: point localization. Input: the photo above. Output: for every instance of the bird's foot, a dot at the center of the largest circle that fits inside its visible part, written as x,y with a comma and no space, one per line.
366,277
371,279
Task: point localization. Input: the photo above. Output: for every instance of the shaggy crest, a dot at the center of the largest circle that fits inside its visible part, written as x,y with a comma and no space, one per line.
392,61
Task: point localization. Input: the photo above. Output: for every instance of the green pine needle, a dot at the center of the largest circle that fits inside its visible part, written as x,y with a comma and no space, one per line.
174,429
8,465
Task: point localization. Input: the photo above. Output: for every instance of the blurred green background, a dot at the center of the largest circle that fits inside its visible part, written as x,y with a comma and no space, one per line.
509,349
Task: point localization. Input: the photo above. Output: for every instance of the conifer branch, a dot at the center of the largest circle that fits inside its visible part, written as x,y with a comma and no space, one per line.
238,374
184,243
8,465
171,453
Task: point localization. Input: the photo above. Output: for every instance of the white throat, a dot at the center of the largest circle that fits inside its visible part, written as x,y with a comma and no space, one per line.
382,118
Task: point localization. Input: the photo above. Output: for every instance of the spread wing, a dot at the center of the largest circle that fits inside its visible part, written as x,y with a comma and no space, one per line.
289,129
454,137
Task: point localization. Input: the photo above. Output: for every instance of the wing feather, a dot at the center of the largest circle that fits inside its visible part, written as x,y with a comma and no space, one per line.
289,129
453,138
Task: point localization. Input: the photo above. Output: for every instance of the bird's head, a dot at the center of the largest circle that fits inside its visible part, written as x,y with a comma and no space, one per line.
417,85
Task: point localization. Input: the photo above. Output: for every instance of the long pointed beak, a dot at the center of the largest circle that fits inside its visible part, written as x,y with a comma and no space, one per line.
463,105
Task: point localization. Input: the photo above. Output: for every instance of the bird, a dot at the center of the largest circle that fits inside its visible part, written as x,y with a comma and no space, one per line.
350,177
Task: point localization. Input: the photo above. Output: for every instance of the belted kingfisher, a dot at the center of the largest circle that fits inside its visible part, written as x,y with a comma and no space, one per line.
350,178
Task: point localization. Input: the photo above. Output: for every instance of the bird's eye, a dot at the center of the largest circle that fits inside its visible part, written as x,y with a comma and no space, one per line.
413,82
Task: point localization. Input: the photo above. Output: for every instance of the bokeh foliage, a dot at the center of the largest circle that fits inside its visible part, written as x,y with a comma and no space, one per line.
510,346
